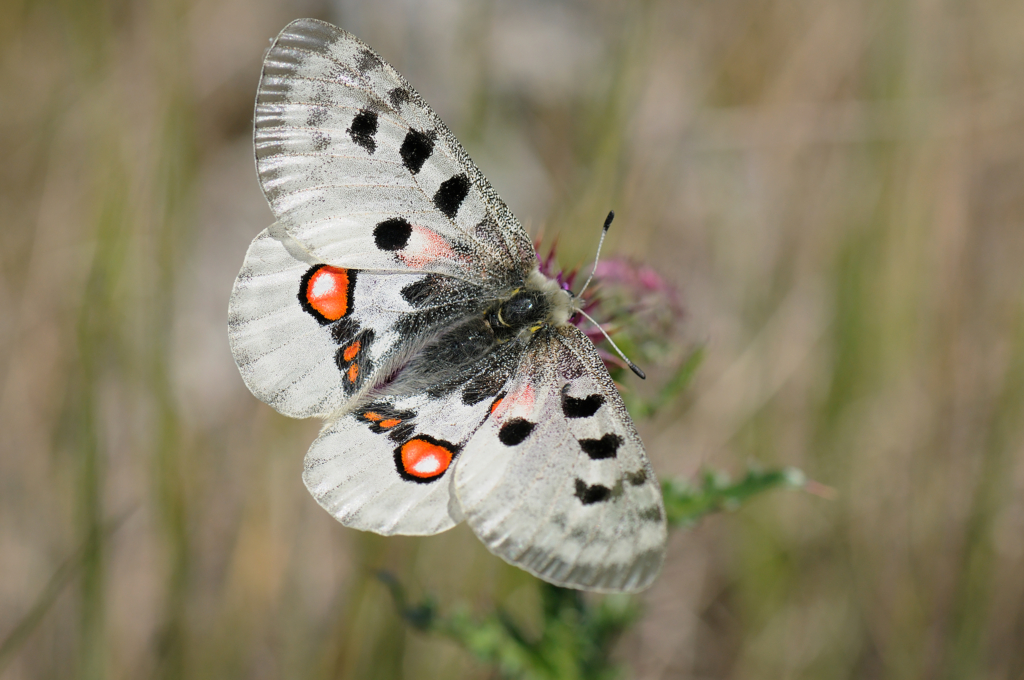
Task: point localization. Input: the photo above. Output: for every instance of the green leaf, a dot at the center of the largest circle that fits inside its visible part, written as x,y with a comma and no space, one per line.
686,502
680,380
579,632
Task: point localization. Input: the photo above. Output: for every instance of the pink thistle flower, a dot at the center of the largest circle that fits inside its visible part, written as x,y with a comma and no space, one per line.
631,301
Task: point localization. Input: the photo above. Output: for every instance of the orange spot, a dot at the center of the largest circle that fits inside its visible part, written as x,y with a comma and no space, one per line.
390,422
352,350
327,292
496,404
353,372
424,459
372,416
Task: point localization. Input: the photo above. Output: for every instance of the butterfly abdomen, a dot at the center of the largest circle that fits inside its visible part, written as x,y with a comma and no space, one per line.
441,364
464,344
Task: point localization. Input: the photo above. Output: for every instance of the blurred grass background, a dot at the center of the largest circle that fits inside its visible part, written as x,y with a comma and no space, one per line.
836,187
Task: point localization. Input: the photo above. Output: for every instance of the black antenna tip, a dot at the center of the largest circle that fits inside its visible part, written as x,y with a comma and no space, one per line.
608,220
636,369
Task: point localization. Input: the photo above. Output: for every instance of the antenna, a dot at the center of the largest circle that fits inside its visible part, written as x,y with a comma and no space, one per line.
633,367
607,223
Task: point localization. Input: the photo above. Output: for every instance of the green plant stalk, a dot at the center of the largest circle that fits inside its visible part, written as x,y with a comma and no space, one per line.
686,502
578,633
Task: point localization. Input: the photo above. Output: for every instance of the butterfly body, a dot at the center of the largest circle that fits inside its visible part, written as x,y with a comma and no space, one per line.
399,299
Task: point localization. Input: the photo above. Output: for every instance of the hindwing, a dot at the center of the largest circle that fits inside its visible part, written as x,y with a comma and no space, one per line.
557,482
387,465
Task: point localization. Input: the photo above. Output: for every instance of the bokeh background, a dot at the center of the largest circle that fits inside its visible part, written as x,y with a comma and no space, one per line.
836,188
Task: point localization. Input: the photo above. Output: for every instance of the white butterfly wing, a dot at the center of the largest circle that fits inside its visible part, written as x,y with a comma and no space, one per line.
367,182
358,306
363,174
556,481
387,466
309,338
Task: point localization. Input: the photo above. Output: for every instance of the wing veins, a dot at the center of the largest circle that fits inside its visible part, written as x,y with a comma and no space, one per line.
318,187
323,155
446,137
351,70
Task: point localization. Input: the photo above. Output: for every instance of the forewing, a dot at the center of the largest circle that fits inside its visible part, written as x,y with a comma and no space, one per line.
309,338
556,481
387,465
362,173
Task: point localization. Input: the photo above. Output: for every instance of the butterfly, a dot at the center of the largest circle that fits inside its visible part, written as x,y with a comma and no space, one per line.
397,298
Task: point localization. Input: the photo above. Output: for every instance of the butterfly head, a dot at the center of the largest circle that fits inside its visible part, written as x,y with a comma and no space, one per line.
566,305
552,303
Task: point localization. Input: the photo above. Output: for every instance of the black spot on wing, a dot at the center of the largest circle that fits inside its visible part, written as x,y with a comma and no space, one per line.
599,449
591,493
416,149
392,234
344,331
383,418
383,411
354,377
400,433
363,129
367,61
515,431
399,96
580,408
651,514
355,351
637,478
451,194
